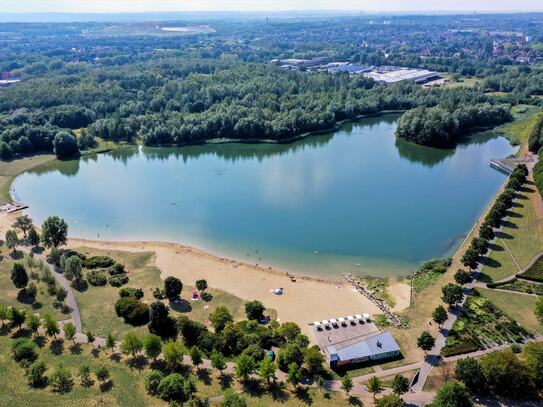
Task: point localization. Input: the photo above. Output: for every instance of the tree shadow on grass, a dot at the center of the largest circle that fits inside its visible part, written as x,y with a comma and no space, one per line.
40,341
522,197
492,263
225,381
517,205
95,352
495,248
302,394
515,215
183,306
500,234
57,346
106,386
75,349
253,388
509,224
527,189
115,357
4,329
139,362
355,401
279,392
17,255
21,333
23,298
37,250
203,376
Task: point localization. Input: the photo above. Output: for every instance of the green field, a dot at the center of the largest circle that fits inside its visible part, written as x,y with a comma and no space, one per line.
10,169
522,234
96,304
517,132
535,272
518,307
8,292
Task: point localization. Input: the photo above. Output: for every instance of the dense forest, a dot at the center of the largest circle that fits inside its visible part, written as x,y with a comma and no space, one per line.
168,89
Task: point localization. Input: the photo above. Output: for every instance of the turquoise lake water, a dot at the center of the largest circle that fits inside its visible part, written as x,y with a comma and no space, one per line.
356,200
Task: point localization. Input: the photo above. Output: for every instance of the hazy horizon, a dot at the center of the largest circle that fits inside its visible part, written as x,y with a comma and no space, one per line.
161,6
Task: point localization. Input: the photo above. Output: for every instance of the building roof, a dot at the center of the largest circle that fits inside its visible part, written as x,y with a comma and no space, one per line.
375,345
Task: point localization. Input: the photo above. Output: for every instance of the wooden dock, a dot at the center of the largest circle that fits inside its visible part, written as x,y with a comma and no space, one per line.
393,319
11,207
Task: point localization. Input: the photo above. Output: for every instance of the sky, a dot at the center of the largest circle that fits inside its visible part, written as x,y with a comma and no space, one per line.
115,6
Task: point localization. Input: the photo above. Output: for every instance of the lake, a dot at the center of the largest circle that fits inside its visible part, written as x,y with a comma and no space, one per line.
356,200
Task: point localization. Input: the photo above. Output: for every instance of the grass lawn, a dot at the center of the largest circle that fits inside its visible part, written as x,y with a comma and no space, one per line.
10,169
535,272
523,235
518,307
127,387
96,304
8,292
517,131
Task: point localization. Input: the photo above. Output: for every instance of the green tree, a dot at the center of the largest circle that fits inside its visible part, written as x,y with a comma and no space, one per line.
426,341
291,353
439,315
533,355
254,310
24,350
90,338
23,223
400,384
12,240
289,331
172,288
33,323
347,383
69,331
173,354
452,394
61,380
4,314
5,151
245,366
33,237
61,294
19,277
539,308
152,345
172,388
35,374
462,277
196,356
233,399
220,317
294,375
201,285
313,359
65,145
85,376
375,386
486,232
102,374
218,361
390,400
470,259
267,369
111,341
54,232
452,294
152,381
132,344
74,267
506,375
17,317
50,325
470,372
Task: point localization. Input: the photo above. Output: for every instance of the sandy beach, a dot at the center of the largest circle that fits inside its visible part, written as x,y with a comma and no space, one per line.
304,301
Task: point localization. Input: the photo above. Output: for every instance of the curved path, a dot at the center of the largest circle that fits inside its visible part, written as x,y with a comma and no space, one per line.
65,283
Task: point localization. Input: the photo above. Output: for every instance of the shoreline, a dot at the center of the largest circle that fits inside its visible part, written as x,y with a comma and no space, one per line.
306,300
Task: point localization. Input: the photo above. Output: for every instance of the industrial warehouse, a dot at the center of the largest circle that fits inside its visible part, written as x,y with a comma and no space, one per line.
387,75
353,340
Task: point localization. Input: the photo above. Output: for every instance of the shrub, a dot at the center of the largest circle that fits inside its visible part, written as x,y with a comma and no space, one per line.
97,262
131,292
61,380
24,350
118,280
36,374
133,311
97,278
116,269
152,381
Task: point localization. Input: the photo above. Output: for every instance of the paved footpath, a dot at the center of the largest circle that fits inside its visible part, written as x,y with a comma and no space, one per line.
65,283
